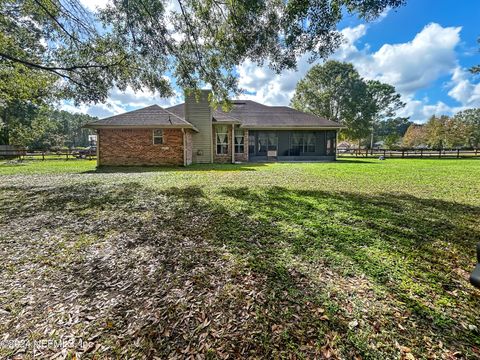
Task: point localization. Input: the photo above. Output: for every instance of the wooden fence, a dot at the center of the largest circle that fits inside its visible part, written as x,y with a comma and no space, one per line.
410,153
22,154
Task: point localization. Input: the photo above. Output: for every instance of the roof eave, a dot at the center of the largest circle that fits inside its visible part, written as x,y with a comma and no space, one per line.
217,122
292,127
108,126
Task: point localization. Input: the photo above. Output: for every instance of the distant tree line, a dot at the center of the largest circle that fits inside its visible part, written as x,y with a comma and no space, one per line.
43,127
446,132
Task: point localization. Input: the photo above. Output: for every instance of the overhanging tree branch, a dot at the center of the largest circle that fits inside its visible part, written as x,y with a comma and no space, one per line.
60,68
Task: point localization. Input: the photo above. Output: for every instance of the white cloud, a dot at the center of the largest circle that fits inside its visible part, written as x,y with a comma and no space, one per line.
99,110
267,86
409,66
420,110
270,88
122,101
93,5
463,89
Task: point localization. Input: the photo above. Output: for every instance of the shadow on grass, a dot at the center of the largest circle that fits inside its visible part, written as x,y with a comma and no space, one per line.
250,166
349,158
353,160
167,168
174,252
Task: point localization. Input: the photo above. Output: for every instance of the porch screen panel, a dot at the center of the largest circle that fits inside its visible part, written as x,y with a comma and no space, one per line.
272,142
310,140
331,142
296,143
262,143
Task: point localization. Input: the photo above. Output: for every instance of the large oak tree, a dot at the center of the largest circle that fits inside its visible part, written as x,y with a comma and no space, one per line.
336,91
140,43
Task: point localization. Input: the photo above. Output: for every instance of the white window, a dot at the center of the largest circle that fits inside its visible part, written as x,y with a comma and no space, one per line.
239,141
222,139
157,136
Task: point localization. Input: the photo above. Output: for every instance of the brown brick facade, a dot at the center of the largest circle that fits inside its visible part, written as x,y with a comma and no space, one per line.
135,147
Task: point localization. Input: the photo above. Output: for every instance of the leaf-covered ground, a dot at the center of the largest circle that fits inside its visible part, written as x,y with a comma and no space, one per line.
354,259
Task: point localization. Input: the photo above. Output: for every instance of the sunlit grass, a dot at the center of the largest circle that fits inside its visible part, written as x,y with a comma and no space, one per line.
359,257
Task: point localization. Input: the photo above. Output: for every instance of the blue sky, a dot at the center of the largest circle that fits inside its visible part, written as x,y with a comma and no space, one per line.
424,49
402,25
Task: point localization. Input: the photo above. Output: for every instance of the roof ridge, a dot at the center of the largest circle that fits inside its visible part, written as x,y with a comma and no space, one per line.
171,113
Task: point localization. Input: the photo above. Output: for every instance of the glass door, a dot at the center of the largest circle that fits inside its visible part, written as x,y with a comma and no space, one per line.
262,144
272,145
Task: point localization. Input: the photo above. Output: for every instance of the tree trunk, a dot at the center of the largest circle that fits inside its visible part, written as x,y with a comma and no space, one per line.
371,142
6,136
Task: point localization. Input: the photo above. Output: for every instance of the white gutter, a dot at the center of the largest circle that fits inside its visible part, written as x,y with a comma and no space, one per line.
94,126
289,127
98,147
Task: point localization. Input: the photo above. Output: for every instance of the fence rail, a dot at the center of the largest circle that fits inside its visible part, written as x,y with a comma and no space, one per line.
46,155
403,153
410,153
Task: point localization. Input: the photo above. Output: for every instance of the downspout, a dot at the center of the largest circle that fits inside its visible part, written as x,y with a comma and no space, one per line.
184,147
213,139
98,147
233,144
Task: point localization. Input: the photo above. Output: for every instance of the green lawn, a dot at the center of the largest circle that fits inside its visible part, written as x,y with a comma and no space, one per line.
357,258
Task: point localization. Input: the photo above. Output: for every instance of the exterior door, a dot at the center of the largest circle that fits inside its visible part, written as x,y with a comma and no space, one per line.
272,145
262,144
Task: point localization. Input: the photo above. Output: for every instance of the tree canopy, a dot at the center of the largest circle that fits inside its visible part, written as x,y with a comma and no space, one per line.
140,43
446,132
336,90
470,119
42,127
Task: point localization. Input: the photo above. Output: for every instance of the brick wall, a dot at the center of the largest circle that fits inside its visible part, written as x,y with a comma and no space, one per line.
135,147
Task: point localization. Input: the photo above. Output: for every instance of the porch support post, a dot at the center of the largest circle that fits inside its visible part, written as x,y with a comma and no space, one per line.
233,144
336,144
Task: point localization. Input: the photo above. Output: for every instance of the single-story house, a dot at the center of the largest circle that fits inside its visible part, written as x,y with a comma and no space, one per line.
193,132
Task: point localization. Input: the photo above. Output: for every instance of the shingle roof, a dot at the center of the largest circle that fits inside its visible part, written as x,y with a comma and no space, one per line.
249,114
254,115
150,116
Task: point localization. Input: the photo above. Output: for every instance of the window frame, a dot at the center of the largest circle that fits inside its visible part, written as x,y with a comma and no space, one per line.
221,145
242,143
155,137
